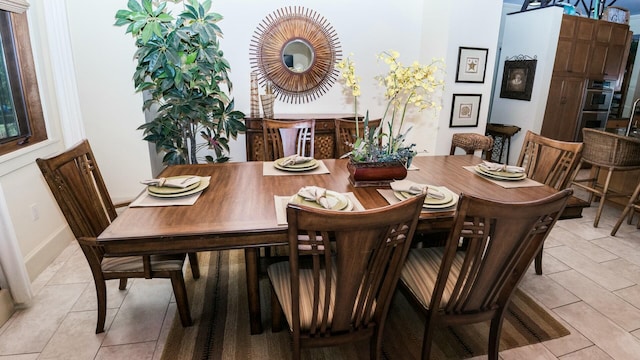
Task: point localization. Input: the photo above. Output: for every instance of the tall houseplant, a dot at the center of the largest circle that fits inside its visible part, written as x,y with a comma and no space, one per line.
182,68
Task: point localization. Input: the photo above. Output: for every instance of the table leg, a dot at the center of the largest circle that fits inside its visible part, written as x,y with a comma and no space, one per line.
253,289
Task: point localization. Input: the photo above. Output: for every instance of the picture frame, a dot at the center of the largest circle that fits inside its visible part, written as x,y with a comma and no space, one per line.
517,79
465,110
472,65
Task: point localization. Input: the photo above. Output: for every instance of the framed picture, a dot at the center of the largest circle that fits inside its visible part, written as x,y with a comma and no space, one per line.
465,110
517,79
472,65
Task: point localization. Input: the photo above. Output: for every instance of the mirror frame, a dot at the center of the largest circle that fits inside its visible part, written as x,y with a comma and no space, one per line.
267,47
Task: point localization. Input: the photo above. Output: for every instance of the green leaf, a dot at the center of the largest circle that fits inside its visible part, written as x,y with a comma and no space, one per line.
134,6
146,34
148,6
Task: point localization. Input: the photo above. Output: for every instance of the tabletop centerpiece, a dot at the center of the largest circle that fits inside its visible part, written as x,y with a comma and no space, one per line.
383,155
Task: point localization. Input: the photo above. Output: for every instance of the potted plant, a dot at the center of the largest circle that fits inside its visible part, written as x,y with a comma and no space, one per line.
181,67
383,155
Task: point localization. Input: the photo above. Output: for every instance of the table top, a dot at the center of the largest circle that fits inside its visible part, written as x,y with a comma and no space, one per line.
237,210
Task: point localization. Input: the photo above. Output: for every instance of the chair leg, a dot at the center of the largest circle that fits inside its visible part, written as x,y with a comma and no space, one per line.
628,210
427,340
603,198
101,295
182,302
494,335
123,283
538,262
276,312
195,267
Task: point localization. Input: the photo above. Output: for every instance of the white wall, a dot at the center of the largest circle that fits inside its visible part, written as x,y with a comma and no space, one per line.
519,39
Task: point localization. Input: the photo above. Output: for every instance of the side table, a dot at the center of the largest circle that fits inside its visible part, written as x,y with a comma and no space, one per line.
501,135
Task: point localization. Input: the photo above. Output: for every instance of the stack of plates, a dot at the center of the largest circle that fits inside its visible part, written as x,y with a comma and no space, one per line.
168,192
343,203
500,175
450,199
306,166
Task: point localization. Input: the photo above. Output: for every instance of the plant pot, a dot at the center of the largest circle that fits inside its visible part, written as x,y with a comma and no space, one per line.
375,173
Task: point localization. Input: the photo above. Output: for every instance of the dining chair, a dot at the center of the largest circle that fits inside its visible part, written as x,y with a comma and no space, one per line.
285,138
550,162
79,189
471,142
609,152
342,271
459,286
346,133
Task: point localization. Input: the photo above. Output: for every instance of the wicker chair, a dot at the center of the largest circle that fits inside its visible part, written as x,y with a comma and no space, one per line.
470,142
605,151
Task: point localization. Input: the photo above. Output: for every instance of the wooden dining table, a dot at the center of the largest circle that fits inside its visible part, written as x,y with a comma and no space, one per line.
238,210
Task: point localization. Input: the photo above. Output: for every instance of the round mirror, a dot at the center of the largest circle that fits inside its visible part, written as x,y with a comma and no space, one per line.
295,50
297,55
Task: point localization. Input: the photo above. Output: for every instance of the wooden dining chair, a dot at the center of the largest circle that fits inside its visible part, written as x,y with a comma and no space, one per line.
342,271
346,133
455,286
80,191
471,142
284,138
550,162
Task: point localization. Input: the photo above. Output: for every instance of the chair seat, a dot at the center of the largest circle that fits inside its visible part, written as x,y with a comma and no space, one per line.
280,276
134,263
420,272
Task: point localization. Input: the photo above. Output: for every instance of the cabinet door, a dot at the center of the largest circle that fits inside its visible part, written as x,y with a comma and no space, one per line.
574,46
563,108
609,48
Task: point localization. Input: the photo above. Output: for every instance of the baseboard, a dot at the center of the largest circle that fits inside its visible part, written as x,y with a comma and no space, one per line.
49,249
6,306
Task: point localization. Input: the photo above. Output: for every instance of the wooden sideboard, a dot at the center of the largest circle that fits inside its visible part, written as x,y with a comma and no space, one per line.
324,137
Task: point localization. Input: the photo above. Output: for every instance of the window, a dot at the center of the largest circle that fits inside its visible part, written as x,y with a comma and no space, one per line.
21,117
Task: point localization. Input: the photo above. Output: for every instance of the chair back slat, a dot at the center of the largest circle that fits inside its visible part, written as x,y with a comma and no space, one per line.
355,259
78,187
286,138
346,133
549,161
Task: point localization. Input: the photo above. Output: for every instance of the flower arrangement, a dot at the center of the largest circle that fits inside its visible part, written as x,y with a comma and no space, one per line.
414,85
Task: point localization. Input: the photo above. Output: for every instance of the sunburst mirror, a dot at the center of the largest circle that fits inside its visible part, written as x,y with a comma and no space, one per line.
295,51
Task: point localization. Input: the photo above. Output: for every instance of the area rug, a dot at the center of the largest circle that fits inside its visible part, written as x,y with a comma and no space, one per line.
218,302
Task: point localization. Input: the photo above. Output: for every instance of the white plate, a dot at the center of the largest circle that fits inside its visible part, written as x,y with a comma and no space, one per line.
343,204
450,198
204,183
164,190
500,175
310,165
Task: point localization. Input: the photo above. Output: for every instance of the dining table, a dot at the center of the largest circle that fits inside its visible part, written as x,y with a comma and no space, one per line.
238,210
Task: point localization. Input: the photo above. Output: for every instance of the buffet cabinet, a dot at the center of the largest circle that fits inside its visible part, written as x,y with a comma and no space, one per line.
324,134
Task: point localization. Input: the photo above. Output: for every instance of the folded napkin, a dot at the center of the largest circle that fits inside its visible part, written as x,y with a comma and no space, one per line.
415,188
318,195
501,167
177,182
295,159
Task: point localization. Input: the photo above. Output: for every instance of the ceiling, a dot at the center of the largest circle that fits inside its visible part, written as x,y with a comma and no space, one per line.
632,5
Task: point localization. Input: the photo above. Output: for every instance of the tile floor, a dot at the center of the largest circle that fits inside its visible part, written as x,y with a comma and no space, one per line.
591,283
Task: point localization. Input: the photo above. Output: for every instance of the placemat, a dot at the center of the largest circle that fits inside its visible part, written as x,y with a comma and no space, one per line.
388,195
282,201
269,170
146,200
507,184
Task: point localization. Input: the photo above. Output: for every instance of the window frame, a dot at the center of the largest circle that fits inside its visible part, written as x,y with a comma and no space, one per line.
21,50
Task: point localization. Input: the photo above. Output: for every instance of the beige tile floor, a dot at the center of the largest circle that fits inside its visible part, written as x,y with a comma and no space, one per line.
591,283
